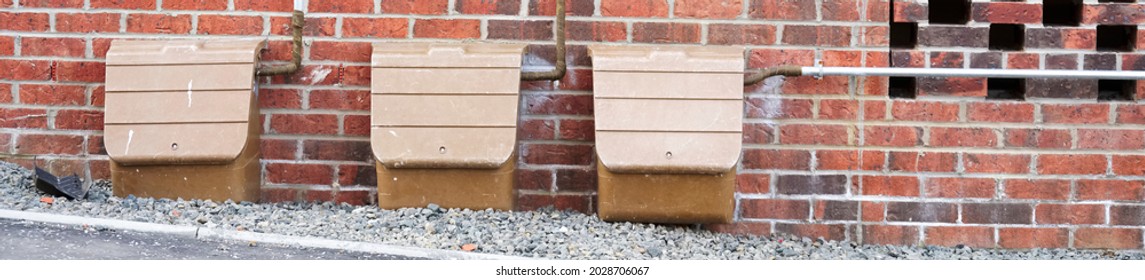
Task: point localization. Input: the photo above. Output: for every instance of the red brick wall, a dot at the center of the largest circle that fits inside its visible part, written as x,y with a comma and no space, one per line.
1033,163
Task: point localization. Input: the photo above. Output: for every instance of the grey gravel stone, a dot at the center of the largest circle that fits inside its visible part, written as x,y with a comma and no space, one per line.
545,233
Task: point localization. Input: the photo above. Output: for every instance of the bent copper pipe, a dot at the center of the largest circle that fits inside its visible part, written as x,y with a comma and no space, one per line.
783,70
297,21
558,71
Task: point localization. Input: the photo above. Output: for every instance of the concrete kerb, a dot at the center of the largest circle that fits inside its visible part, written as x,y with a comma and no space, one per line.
216,234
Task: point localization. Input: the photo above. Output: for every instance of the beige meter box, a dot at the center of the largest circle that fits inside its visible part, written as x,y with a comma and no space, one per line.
669,125
181,119
444,124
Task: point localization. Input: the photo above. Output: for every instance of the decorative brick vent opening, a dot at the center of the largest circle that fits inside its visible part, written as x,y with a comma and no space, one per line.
1116,38
949,11
1116,1
1005,89
1061,12
1115,90
904,35
902,87
1007,37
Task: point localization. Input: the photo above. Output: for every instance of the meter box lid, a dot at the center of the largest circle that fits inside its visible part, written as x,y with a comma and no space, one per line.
668,109
444,105
179,102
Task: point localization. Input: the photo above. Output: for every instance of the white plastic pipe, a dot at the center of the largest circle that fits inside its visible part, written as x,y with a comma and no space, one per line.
987,73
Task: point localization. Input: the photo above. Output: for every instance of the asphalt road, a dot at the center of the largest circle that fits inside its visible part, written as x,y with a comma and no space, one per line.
36,241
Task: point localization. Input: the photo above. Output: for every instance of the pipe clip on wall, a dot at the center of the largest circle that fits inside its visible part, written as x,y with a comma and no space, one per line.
561,66
297,21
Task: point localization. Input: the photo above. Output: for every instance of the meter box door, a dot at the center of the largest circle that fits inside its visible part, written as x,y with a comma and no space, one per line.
669,123
181,119
444,124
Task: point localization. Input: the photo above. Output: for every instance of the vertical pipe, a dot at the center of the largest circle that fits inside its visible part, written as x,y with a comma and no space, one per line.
561,66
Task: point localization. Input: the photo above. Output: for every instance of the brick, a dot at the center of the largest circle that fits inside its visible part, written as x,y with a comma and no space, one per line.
841,10
997,213
927,111
708,9
279,99
900,58
836,210
358,175
940,59
1061,88
842,58
1130,114
1007,12
986,60
817,35
960,187
1038,138
7,46
811,184
1071,164
25,21
911,11
59,47
1070,214
337,150
1113,14
776,159
230,25
79,120
922,161
52,94
775,209
798,10
1022,61
825,231
52,4
159,23
528,179
849,160
311,124
741,228
577,130
278,148
922,212
876,110
354,197
425,7
537,130
42,144
972,236
665,32
1065,61
286,173
557,154
1029,238
634,8
1061,38
993,112
875,36
447,28
487,7
963,137
1103,61
1110,139
95,145
264,5
894,136
520,30
878,11
953,36
80,71
597,31
23,118
318,195
1075,113
775,108
196,5
26,70
340,51
761,58
311,27
574,80
572,7
1107,238
1133,165
809,134
1109,190
576,180
874,211
810,85
1127,215
890,235
84,23
558,104
741,34
356,125
996,163
5,93
753,183
952,86
890,185
347,6
352,100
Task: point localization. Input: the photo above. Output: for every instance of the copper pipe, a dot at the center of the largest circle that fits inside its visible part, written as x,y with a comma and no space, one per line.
297,21
783,70
559,70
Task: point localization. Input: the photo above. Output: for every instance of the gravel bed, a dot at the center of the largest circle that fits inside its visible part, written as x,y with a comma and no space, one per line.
542,234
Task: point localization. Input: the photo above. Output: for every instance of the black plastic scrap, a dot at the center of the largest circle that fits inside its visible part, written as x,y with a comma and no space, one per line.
67,186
